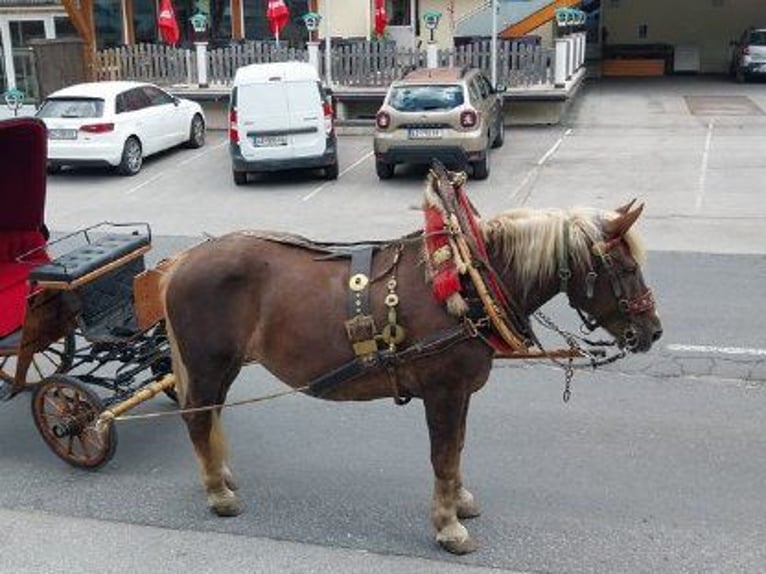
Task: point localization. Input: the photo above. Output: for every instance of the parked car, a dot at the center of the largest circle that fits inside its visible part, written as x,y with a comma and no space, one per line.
280,118
451,114
749,55
117,124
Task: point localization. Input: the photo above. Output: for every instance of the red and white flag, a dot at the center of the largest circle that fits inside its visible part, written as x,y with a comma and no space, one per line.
166,22
381,19
278,15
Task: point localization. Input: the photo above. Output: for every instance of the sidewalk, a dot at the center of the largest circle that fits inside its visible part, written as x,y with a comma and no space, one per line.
40,543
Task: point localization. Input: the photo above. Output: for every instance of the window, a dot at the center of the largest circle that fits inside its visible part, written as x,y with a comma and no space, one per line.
257,27
145,21
107,15
398,12
157,97
424,98
65,28
71,108
131,101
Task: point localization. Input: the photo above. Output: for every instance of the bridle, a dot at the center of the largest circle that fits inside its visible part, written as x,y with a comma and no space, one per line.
601,258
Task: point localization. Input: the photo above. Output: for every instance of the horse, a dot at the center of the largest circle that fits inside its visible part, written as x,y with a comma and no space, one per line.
281,301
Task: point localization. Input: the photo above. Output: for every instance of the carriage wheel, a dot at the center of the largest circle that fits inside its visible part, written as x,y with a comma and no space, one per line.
65,411
54,359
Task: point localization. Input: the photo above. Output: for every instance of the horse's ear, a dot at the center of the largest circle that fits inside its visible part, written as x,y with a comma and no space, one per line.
626,208
619,227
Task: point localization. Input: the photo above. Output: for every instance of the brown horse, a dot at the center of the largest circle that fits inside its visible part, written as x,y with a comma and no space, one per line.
249,297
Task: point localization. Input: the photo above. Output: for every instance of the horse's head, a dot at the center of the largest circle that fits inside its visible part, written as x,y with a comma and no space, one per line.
608,286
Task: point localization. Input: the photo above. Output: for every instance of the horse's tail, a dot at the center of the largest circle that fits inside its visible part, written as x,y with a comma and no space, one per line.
179,366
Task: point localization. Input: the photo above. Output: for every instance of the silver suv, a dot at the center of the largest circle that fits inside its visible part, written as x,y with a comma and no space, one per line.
749,55
451,114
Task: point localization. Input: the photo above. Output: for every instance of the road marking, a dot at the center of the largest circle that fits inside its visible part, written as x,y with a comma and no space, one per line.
716,350
703,168
134,189
554,147
533,173
207,150
341,174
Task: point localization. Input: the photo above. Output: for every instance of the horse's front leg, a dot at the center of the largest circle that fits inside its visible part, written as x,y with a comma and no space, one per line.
466,503
445,414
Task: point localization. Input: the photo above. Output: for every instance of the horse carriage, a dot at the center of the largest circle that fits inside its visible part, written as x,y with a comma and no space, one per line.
87,319
422,316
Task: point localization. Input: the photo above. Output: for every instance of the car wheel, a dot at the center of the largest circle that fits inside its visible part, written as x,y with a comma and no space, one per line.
384,170
240,177
481,167
196,132
53,169
132,157
500,136
331,171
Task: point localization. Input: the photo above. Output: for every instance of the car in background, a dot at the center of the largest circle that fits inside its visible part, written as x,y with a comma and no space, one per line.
280,118
450,114
749,55
117,124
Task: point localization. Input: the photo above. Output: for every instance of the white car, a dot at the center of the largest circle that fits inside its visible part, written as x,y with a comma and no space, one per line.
117,124
749,55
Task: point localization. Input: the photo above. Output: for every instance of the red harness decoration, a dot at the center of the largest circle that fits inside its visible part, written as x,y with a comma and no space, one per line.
445,278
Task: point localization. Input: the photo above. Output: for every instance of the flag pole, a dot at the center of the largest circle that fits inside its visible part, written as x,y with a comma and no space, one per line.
493,44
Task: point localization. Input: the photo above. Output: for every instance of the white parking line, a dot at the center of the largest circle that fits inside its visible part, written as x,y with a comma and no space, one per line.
316,190
196,156
207,150
716,350
703,169
532,173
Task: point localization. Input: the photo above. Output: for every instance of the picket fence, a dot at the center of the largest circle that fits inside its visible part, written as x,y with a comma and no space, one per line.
359,64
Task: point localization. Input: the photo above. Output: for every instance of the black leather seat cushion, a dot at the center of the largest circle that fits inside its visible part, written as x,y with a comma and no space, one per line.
86,258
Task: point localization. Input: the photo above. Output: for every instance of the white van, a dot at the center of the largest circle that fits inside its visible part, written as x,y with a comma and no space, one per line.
279,119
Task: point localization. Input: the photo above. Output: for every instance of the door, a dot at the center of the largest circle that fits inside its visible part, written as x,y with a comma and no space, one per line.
263,121
307,125
168,119
21,33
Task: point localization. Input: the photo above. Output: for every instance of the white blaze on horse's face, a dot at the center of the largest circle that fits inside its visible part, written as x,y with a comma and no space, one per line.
617,297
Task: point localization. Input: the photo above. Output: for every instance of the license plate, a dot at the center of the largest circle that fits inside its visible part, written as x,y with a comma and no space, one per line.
59,134
269,141
424,133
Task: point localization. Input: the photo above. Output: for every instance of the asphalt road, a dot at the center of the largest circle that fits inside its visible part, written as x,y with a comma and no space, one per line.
654,466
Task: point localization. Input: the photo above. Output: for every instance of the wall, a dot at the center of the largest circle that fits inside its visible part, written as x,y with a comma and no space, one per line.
708,24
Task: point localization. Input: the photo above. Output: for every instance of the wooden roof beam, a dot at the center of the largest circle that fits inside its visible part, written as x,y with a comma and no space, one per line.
536,19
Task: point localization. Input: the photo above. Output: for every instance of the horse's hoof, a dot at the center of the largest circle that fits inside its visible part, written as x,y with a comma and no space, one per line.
455,538
466,505
459,547
225,504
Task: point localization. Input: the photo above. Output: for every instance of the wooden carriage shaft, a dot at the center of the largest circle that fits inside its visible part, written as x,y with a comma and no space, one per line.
149,391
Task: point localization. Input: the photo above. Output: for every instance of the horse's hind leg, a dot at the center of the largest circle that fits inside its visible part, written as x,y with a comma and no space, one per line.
445,414
205,428
206,433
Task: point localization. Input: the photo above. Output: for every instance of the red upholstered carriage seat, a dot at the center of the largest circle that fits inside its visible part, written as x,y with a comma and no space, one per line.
14,274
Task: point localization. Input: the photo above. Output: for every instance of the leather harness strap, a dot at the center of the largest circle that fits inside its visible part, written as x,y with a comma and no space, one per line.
359,282
384,360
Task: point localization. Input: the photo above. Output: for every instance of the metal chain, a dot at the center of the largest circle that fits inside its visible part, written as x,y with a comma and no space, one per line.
573,341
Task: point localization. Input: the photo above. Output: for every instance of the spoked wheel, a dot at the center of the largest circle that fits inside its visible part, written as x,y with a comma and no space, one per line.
54,359
65,411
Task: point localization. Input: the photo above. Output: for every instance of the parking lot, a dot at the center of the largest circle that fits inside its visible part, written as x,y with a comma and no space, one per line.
655,466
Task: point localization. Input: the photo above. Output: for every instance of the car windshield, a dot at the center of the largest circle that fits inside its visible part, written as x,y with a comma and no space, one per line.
425,98
71,108
757,38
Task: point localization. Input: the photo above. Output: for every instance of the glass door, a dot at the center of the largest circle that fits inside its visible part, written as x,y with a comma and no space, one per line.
22,31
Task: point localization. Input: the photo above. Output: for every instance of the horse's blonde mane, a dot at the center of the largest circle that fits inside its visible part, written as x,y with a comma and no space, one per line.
530,240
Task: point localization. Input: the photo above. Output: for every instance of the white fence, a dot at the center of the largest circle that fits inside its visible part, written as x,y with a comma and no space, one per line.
358,64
